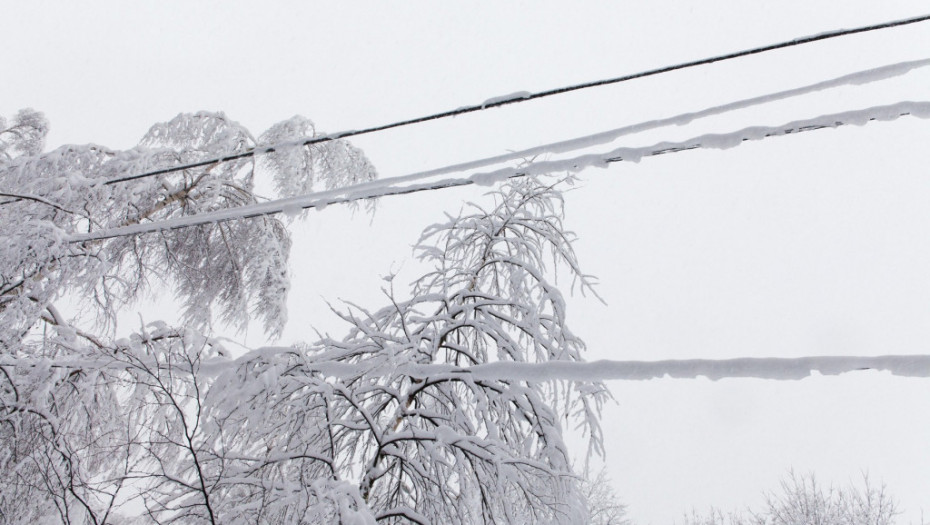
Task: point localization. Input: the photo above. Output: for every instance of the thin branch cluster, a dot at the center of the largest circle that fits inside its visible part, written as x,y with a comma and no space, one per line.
801,500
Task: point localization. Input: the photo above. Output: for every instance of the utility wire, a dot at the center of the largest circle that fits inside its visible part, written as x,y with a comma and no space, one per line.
855,79
382,188
772,368
525,96
852,79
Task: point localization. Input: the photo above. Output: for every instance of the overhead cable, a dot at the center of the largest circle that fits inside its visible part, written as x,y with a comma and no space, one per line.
857,78
384,187
516,98
772,368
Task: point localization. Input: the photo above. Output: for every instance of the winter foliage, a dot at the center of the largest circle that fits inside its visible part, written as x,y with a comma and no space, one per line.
801,500
165,426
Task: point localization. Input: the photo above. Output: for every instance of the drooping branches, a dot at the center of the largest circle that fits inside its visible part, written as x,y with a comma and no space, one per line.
63,426
444,448
342,430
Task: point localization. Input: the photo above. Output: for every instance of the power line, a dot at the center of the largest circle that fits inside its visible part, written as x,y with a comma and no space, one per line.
857,78
525,96
772,368
853,79
383,187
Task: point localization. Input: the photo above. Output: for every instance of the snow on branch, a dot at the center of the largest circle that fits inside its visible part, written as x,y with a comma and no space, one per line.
388,186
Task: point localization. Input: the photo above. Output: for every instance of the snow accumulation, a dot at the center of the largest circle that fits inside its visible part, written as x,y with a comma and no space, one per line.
389,186
761,368
774,368
505,99
853,79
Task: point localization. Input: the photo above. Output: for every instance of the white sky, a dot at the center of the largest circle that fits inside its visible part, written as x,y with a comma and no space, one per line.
809,245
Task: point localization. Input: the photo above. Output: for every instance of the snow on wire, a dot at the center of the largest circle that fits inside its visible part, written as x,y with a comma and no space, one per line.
386,187
523,96
772,368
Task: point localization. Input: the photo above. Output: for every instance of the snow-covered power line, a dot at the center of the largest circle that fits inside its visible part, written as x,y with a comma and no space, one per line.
853,79
773,368
386,187
524,96
857,78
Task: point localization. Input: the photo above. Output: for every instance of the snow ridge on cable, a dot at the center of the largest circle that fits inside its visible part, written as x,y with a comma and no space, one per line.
385,187
772,368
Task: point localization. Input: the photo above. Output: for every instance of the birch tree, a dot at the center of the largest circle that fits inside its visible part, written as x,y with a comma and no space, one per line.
358,429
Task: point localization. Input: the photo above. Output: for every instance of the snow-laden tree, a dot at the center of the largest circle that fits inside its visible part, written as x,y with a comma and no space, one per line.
380,426
234,271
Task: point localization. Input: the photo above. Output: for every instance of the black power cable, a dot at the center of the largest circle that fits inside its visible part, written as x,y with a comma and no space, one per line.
522,97
346,194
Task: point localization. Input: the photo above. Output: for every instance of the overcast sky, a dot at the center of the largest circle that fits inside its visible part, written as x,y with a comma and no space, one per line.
816,244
